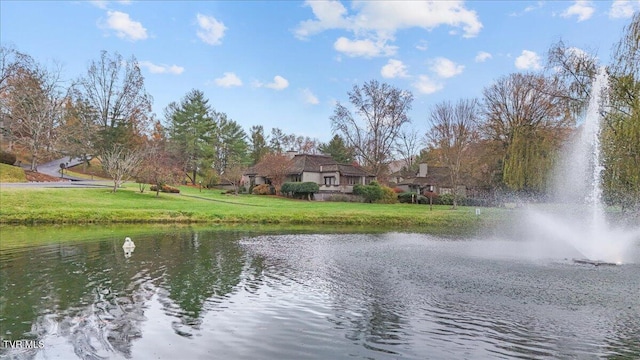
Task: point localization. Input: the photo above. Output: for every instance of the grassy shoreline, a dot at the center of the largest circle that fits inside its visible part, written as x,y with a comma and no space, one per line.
21,206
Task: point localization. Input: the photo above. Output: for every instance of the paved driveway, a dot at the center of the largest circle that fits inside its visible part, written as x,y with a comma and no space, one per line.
53,167
61,184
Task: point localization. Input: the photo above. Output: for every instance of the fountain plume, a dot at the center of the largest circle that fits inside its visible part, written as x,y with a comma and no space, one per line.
579,217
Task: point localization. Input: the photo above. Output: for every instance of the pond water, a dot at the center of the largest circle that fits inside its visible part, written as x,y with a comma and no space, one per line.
229,294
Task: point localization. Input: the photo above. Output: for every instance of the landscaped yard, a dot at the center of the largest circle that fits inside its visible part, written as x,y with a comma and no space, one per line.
51,206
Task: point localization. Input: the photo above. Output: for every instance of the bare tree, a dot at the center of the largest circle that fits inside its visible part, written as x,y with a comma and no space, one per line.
33,101
525,115
121,163
233,175
114,88
574,70
408,146
381,112
453,130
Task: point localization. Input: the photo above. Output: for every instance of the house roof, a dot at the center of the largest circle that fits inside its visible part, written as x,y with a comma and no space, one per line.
436,175
314,163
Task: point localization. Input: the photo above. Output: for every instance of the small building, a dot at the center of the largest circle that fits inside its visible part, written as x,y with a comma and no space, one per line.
331,176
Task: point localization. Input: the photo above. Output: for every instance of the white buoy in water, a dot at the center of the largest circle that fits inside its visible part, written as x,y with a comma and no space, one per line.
128,244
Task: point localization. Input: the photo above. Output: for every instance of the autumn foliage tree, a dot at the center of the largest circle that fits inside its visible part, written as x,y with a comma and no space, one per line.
158,167
526,117
32,101
453,130
275,168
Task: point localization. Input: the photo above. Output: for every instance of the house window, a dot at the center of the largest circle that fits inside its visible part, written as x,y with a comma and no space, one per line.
329,180
352,180
296,178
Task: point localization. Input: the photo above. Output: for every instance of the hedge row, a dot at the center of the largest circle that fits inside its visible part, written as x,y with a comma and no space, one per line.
300,189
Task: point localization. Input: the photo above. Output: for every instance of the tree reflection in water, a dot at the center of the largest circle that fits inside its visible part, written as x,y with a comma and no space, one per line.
366,296
93,296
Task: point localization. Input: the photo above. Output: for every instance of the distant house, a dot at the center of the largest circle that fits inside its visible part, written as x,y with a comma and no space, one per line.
434,179
331,176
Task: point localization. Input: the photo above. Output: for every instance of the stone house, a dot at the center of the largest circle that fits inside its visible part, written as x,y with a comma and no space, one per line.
331,176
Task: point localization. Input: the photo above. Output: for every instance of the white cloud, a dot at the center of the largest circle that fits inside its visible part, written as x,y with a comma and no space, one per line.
365,48
426,85
623,9
162,69
422,45
279,83
329,15
125,27
374,23
581,8
393,69
211,30
483,56
309,97
102,4
528,60
529,8
228,79
445,68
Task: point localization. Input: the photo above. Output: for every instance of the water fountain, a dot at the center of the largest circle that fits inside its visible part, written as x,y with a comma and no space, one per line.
579,218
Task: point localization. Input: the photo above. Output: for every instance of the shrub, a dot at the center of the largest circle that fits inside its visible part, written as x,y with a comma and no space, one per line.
300,190
444,199
338,198
370,193
409,198
263,189
165,189
388,196
209,178
7,157
397,190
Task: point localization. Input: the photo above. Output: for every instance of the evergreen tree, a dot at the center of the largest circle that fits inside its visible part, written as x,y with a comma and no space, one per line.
259,146
191,127
338,150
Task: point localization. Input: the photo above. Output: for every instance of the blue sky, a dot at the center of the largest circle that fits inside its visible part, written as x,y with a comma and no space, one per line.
285,63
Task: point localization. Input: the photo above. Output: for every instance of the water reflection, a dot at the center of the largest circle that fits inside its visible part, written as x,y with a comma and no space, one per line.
310,296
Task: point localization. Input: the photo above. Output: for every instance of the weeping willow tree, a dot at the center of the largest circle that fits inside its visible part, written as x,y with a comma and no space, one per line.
525,115
621,131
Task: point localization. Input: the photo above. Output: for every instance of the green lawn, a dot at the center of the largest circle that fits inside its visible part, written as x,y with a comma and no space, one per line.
80,206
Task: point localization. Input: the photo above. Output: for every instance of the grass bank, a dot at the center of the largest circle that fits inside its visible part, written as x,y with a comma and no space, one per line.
20,206
11,174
